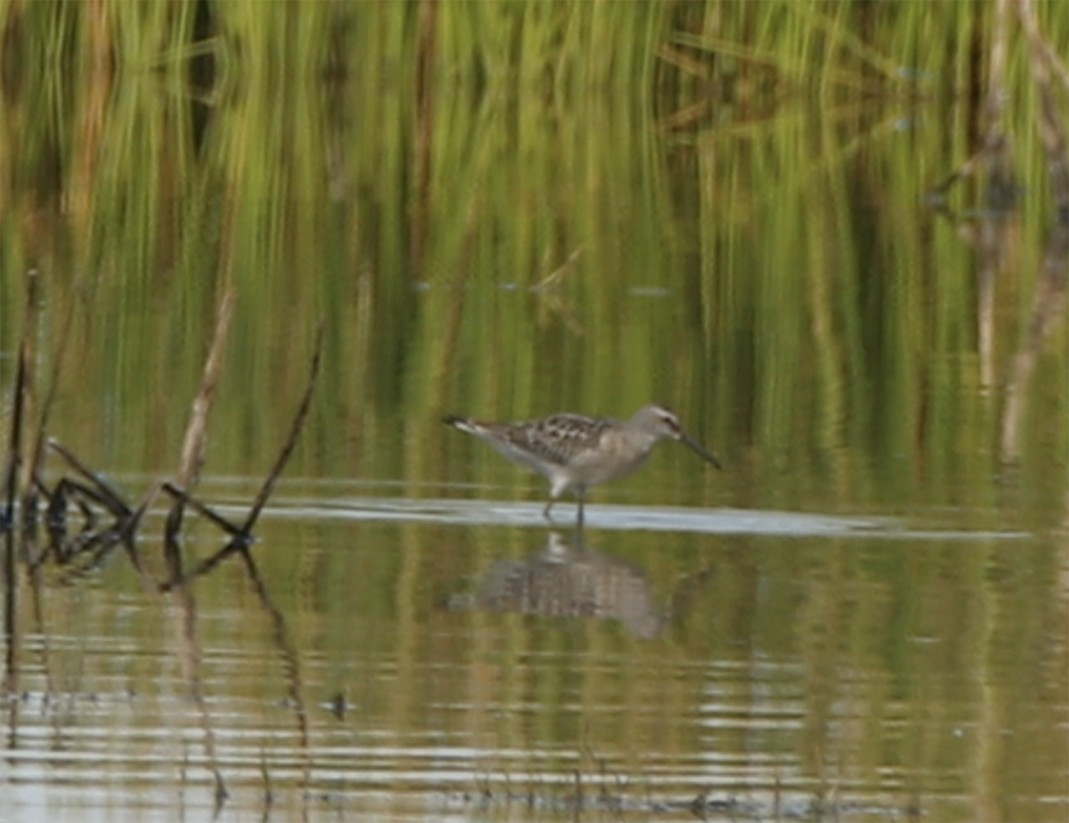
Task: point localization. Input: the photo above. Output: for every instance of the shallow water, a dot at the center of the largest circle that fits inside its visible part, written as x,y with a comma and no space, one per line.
443,658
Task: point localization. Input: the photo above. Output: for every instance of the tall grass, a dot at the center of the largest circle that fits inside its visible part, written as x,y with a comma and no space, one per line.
511,208
550,136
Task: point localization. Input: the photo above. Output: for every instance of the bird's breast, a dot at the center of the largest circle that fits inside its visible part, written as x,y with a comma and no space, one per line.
616,456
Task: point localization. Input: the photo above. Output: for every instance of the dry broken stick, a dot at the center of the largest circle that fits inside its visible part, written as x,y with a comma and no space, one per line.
32,484
69,492
100,492
106,494
23,393
193,445
241,537
291,442
184,497
7,518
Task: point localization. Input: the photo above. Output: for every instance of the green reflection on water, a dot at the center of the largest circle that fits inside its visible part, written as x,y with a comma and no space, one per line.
515,243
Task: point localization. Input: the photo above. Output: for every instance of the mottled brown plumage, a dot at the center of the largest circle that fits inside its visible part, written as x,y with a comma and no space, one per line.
575,452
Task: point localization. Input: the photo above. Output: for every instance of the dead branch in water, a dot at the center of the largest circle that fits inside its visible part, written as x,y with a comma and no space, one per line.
241,536
7,516
185,498
196,431
89,493
23,390
81,548
105,493
32,486
291,441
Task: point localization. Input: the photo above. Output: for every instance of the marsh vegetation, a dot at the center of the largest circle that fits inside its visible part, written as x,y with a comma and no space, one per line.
832,236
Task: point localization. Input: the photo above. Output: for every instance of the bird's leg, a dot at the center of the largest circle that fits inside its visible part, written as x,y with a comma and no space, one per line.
579,521
545,511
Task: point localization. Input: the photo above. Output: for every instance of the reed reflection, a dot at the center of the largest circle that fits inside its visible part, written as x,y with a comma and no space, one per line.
994,229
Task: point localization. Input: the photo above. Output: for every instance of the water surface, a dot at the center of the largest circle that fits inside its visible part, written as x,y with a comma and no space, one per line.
443,658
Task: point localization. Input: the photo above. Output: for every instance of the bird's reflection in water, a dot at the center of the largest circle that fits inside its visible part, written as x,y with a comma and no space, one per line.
568,580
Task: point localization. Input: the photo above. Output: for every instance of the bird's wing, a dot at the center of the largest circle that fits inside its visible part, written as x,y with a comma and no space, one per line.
559,438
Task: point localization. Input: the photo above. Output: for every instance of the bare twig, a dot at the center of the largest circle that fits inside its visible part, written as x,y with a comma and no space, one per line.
202,509
128,534
36,450
107,494
193,445
291,441
7,516
176,582
23,387
241,536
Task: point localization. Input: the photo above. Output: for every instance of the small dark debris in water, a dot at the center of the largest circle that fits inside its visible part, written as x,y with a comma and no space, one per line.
221,793
338,706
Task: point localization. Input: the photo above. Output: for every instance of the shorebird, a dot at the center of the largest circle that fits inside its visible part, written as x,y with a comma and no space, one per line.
575,452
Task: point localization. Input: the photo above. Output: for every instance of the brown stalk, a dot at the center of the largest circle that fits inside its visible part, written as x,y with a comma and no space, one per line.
1050,295
291,441
196,431
107,495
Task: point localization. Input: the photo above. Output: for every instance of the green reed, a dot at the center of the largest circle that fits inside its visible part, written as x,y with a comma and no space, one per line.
505,207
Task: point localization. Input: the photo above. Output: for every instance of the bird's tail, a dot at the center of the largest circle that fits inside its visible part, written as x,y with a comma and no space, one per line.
464,424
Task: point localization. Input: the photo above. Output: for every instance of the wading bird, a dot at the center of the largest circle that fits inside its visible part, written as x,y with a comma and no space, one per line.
575,452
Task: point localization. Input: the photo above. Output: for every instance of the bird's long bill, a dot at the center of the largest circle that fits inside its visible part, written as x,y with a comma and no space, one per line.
699,449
